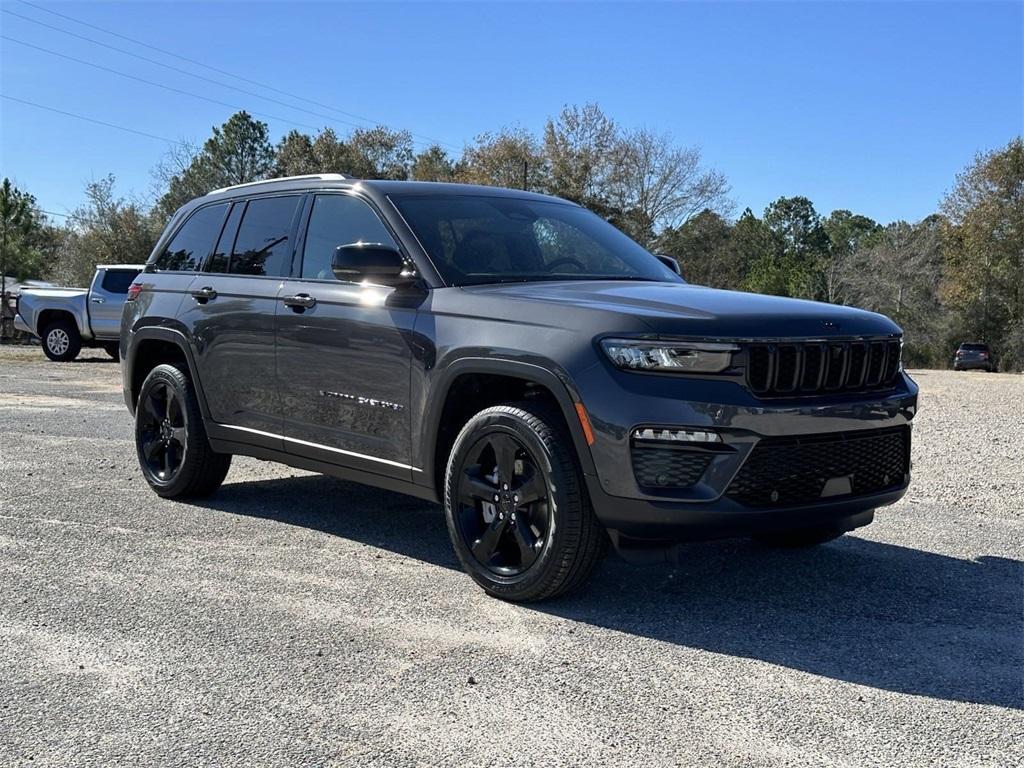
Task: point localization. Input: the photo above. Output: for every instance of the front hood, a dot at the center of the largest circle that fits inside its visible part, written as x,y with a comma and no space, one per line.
682,309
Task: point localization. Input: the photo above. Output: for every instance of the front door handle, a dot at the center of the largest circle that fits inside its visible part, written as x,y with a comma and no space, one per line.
204,294
300,302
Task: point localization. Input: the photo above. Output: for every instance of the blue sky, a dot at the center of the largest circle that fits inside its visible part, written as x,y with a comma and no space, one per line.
868,106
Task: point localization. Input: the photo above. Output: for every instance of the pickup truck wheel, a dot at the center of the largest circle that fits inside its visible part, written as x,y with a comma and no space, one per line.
113,349
516,505
61,341
170,438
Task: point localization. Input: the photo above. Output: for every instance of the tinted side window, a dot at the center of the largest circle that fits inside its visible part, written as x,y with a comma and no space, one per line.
338,220
222,253
117,281
263,246
192,243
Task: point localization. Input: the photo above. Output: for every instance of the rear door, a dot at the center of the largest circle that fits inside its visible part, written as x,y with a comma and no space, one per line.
106,300
230,310
343,361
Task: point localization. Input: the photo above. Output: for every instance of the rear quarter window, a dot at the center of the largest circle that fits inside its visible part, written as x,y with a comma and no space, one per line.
193,242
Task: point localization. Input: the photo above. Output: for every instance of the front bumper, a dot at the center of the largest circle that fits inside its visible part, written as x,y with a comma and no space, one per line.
707,508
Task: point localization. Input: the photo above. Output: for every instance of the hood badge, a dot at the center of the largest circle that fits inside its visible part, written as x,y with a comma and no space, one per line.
830,325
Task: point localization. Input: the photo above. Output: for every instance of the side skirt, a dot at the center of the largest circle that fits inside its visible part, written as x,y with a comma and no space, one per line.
342,473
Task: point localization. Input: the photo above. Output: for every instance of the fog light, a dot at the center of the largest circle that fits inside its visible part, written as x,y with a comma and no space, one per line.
677,435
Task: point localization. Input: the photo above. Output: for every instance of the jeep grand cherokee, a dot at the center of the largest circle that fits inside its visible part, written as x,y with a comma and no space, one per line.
514,357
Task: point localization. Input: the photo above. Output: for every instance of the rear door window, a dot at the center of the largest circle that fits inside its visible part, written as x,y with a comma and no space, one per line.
118,280
264,242
221,257
193,241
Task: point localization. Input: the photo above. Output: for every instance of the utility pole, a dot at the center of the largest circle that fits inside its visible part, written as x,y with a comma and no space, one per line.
526,168
3,264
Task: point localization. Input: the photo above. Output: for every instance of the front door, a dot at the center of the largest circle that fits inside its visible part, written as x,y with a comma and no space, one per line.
343,351
230,309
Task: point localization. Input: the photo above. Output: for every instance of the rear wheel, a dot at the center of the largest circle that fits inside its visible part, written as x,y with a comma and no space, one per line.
516,506
170,438
61,341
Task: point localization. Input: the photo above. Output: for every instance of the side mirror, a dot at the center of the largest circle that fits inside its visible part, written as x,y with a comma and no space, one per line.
371,261
670,262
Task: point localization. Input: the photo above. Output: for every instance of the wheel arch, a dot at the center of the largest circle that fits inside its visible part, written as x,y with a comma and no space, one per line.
50,315
152,346
457,395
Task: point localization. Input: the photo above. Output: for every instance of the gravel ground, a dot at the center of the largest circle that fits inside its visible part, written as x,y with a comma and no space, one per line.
297,620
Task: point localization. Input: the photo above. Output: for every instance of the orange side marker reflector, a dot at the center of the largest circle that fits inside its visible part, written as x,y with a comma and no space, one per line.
585,423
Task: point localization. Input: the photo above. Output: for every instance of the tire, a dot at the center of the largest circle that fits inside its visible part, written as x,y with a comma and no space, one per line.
113,349
61,341
555,542
802,539
170,438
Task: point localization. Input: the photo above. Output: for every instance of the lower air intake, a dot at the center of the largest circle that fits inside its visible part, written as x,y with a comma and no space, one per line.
797,470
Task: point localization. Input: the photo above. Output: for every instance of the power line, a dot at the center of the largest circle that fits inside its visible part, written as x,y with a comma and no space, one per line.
177,69
208,67
72,216
153,83
88,119
190,61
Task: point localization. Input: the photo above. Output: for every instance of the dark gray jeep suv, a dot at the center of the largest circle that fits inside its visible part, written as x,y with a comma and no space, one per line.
514,357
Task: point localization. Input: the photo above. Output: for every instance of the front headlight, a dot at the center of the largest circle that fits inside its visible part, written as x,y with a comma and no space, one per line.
671,356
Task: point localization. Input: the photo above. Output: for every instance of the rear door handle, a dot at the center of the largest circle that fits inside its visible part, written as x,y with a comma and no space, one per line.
204,294
299,302
97,299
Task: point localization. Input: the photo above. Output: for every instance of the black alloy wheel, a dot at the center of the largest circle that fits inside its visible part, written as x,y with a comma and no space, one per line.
504,516
516,504
170,437
163,432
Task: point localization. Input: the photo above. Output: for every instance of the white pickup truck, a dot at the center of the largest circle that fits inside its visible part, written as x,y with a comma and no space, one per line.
67,319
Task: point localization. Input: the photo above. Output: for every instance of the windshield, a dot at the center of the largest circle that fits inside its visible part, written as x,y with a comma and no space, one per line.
476,239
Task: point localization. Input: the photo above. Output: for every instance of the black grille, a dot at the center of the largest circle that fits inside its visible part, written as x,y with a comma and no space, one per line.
795,470
667,467
806,368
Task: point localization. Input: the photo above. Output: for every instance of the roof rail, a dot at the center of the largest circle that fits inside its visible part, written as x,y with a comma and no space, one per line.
319,176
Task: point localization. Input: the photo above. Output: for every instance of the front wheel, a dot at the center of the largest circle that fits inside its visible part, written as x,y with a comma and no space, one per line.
516,505
170,438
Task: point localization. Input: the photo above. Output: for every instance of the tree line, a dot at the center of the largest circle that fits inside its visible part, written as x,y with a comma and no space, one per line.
956,275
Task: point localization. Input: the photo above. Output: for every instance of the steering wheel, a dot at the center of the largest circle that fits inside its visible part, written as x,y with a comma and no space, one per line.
567,260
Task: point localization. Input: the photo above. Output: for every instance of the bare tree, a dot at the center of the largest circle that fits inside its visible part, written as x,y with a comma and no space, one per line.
899,275
580,149
662,185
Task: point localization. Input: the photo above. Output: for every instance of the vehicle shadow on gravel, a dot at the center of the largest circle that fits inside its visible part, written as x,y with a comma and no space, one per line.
865,612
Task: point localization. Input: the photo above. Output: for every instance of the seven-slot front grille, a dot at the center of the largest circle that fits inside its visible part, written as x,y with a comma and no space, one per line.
782,471
810,367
